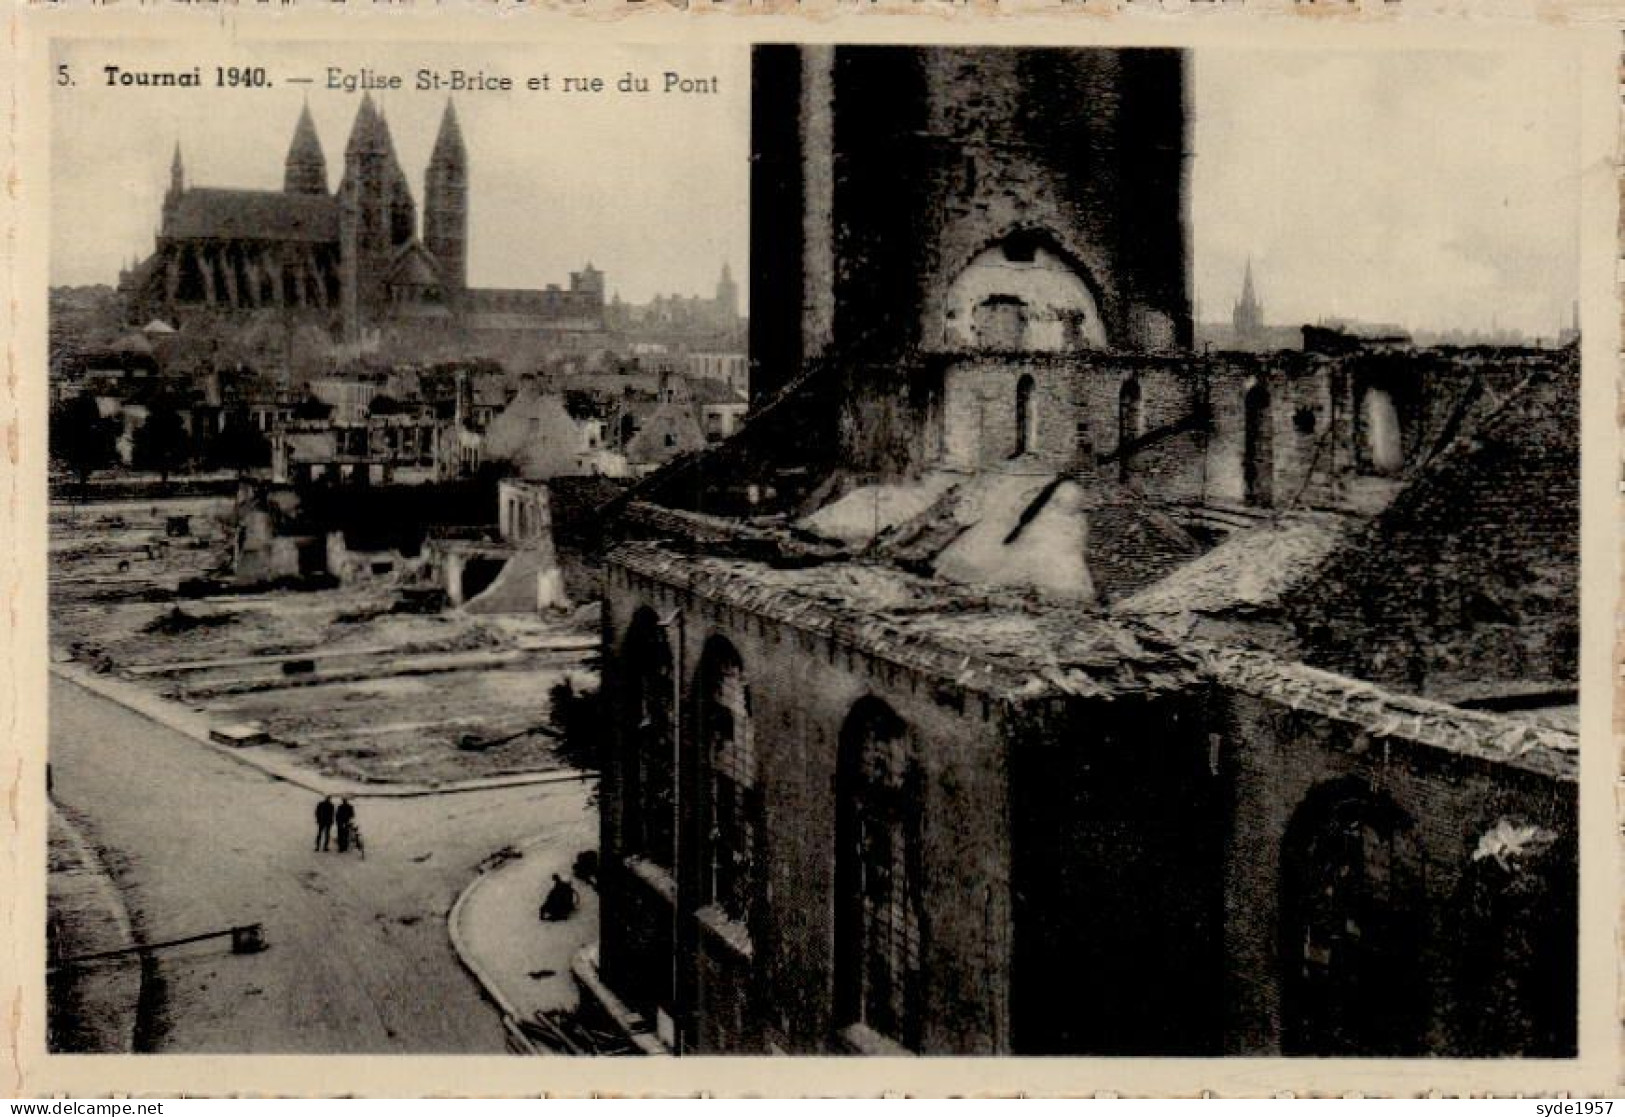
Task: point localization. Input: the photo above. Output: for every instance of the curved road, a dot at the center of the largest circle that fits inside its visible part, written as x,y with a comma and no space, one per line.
359,958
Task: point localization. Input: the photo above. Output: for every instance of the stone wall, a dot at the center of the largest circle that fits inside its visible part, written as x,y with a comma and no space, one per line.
802,688
1114,877
1469,956
884,172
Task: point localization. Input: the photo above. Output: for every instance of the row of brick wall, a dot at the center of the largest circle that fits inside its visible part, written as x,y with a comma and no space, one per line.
1072,850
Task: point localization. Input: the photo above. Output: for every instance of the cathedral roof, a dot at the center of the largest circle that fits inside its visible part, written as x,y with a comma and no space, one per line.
414,266
211,213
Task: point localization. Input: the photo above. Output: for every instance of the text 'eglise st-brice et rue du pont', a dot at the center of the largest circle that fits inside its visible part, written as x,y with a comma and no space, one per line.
425,80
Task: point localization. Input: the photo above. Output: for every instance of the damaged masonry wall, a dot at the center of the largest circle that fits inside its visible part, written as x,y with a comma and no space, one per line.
1069,716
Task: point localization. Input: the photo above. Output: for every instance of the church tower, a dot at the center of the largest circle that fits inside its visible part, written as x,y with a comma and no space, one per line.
305,171
366,216
445,203
403,211
727,297
1248,315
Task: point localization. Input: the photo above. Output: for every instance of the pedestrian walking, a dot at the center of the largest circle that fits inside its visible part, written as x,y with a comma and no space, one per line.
345,817
324,822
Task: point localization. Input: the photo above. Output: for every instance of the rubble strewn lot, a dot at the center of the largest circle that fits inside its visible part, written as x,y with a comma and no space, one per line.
339,680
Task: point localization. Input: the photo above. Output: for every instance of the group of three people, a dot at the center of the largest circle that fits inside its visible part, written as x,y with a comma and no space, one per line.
341,815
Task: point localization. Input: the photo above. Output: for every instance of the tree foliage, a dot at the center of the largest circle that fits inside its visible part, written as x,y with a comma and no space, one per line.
161,444
578,717
312,408
80,439
240,446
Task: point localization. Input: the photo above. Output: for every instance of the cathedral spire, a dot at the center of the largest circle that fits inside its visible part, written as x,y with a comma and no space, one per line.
445,202
177,185
305,171
448,145
367,135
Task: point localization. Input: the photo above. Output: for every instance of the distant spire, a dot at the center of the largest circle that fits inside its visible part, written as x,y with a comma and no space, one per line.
177,173
1248,316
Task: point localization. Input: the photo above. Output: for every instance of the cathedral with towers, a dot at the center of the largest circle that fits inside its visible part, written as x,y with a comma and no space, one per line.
352,260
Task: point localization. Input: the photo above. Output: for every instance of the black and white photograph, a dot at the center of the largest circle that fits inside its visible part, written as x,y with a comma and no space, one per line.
814,549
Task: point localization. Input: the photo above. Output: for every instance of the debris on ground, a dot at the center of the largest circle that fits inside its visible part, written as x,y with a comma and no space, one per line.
391,681
178,620
564,1033
500,857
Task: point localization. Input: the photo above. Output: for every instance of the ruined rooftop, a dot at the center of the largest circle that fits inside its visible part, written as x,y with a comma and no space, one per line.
1010,646
995,643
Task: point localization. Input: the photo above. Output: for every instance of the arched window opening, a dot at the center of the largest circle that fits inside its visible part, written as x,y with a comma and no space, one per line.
1026,416
1130,423
1258,449
650,772
1516,964
734,804
1024,292
1351,925
1381,443
878,877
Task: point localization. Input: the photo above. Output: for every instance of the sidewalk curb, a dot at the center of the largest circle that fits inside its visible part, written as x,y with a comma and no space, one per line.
510,1017
167,714
112,899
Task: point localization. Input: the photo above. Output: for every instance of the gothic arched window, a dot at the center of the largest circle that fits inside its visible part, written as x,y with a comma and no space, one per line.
650,768
1026,416
879,935
1130,422
1351,925
734,804
1379,446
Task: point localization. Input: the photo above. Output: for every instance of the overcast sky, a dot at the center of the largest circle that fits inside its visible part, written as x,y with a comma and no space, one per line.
1436,190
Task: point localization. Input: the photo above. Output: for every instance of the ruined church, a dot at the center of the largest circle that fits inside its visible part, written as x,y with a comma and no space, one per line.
1020,681
352,260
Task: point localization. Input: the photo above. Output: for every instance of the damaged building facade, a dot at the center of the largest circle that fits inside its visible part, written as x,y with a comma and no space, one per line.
1068,692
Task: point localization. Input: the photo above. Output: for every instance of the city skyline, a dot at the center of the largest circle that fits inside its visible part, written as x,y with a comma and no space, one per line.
1437,190
537,210
1454,207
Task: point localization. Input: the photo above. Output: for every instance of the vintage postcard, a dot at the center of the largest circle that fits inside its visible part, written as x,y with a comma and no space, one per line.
1055,544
